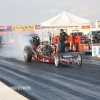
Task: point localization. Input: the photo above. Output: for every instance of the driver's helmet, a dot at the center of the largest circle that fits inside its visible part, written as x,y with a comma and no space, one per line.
36,40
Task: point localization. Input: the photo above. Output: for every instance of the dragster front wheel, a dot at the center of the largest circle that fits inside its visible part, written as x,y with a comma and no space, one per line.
57,60
79,60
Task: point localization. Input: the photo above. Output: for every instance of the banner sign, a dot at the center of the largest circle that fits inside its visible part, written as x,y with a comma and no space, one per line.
99,24
5,28
23,28
37,26
96,51
85,27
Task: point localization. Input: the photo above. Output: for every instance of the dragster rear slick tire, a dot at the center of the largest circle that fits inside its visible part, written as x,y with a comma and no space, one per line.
57,60
27,54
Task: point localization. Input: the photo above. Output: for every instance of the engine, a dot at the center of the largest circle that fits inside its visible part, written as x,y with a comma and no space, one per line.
46,50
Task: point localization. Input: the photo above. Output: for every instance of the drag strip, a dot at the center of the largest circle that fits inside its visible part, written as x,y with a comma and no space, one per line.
46,82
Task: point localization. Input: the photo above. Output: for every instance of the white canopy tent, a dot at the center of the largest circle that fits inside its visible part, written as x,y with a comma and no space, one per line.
65,19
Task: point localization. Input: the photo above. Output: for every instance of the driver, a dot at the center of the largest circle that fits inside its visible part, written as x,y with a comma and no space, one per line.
35,41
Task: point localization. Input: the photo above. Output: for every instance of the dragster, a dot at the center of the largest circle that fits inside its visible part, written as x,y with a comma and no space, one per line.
30,52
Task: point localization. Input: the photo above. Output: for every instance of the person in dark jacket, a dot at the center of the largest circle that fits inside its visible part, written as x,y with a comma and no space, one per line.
62,36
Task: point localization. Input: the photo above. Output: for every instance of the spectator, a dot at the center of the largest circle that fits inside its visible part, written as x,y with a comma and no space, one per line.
50,37
63,36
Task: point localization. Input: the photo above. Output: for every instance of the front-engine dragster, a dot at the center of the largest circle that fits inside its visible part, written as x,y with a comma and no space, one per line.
45,53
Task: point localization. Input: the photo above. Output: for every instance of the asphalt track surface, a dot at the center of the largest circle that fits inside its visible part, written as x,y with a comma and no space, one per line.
47,82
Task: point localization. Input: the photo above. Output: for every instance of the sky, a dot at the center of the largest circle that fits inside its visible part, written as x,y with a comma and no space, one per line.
34,12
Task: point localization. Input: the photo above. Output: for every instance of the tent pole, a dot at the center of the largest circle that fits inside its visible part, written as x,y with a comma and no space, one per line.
91,35
66,29
52,34
51,31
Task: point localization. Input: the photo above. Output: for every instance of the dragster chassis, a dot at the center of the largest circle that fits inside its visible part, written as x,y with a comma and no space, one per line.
56,59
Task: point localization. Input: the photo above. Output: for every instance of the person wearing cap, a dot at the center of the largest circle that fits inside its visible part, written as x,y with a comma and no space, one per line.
62,36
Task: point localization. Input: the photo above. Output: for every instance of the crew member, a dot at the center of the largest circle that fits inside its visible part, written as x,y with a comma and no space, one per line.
63,36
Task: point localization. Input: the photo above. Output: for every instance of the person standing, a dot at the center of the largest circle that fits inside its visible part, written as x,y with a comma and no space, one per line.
50,37
62,36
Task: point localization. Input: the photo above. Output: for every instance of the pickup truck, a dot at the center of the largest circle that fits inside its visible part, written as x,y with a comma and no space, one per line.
94,36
